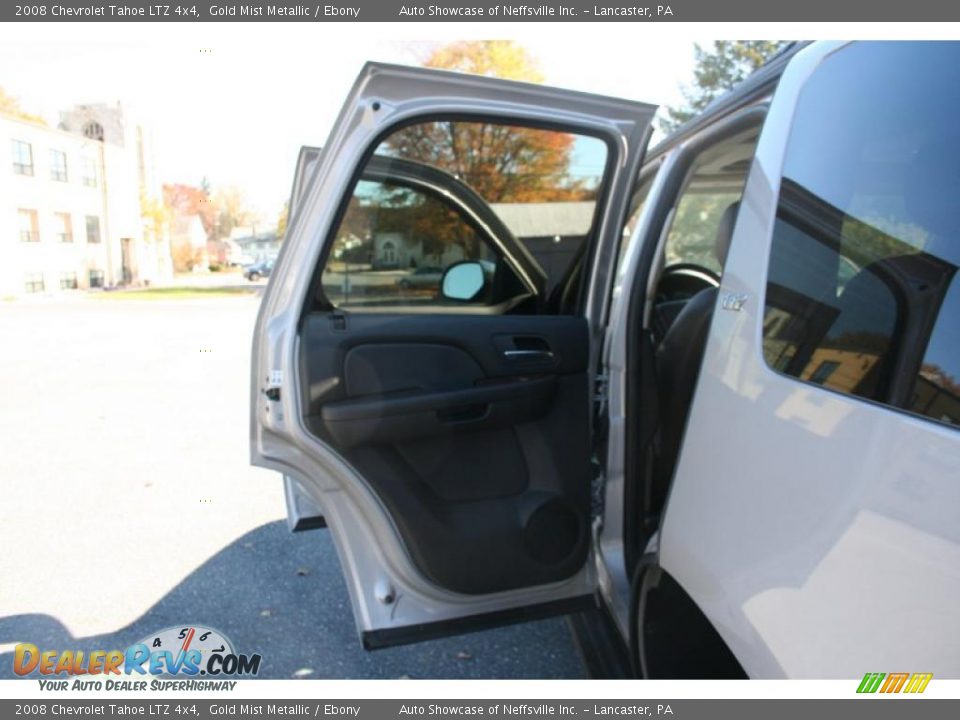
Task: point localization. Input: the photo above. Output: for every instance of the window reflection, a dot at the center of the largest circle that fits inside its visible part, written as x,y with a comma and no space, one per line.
862,294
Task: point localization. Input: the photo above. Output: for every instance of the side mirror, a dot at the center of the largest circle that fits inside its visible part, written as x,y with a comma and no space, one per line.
463,281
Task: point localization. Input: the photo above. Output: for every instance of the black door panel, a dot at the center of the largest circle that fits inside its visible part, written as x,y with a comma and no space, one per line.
454,421
397,417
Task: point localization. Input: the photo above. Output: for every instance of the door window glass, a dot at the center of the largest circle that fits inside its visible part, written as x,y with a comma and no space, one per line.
394,243
517,201
862,295
714,185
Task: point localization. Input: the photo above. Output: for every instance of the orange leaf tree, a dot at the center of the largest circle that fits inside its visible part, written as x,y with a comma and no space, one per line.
501,162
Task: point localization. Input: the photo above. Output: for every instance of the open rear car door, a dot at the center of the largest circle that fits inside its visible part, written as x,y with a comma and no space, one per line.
418,374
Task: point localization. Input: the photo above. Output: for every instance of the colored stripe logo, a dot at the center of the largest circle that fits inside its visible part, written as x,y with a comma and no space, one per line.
894,682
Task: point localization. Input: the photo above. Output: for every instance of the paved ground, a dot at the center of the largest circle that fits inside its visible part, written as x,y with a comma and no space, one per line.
127,504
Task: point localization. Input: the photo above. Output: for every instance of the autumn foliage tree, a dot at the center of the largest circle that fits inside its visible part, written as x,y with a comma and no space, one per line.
492,58
503,164
188,200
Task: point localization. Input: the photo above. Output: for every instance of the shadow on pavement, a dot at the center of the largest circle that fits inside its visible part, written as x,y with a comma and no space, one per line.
282,595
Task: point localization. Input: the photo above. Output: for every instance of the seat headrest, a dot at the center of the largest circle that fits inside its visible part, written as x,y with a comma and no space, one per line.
721,242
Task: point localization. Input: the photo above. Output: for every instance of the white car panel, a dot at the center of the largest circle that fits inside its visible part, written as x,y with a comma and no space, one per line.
817,532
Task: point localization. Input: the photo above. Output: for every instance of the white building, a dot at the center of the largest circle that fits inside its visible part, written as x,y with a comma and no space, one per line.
70,205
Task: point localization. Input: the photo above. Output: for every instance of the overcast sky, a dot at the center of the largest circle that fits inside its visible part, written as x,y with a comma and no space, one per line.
234,102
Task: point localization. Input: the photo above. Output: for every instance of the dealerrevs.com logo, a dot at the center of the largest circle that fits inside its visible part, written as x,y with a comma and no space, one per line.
894,682
187,652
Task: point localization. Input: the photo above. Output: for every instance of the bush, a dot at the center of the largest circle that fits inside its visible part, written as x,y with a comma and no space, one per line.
185,258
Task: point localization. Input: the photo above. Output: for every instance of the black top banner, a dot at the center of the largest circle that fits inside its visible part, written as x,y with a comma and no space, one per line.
485,11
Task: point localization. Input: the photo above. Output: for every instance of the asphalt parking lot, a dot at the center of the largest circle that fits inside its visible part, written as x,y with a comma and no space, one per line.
128,504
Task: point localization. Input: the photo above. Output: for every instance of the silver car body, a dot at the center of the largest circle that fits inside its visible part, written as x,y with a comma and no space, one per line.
779,561
386,589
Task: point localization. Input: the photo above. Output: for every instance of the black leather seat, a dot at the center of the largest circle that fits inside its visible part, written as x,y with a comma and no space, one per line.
678,364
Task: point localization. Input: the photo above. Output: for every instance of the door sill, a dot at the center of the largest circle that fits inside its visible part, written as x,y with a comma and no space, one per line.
391,637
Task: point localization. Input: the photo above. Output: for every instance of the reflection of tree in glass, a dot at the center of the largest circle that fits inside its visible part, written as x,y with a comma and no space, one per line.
502,163
875,238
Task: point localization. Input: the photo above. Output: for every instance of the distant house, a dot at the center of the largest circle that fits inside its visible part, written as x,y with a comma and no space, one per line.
189,242
546,220
254,245
225,252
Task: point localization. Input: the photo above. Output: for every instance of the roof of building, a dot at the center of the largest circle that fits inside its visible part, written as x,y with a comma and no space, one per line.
547,218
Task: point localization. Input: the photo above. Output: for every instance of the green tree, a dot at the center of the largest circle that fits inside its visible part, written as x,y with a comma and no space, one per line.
718,69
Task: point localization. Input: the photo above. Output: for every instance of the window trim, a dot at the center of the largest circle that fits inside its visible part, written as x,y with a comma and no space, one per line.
99,236
55,174
66,223
35,286
91,179
70,278
21,168
33,234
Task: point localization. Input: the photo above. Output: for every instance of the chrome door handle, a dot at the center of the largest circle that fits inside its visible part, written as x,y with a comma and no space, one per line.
528,354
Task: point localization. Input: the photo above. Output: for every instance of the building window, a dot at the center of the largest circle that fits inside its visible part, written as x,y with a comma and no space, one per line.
93,229
64,227
33,282
22,158
93,130
96,278
58,165
68,281
88,171
824,371
27,221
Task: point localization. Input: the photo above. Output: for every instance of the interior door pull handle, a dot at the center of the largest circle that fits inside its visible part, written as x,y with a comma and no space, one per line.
528,354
